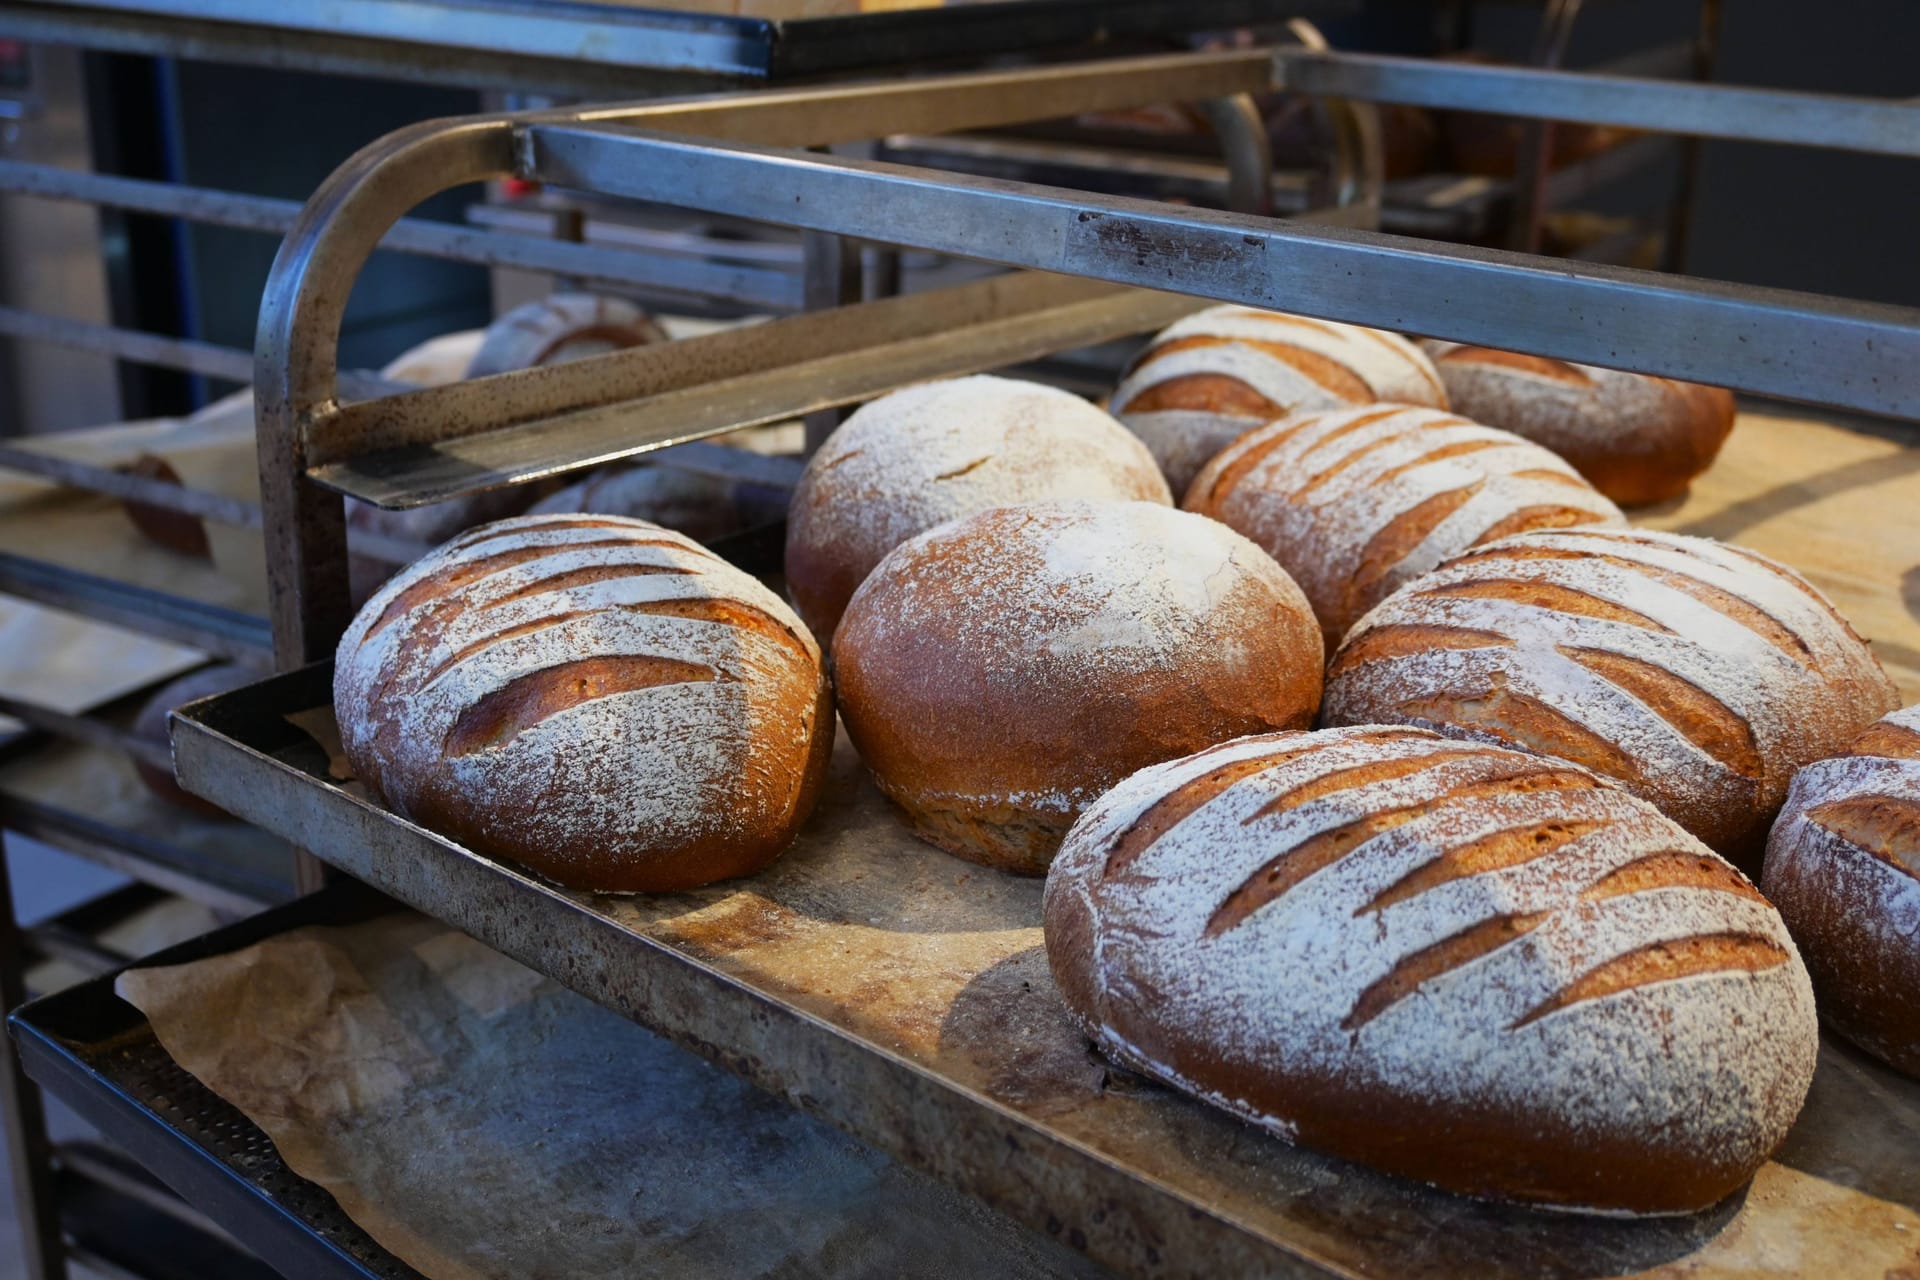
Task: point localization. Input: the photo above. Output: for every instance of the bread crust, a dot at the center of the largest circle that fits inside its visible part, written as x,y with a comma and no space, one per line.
1697,675
1001,671
1218,373
1457,963
1355,502
931,453
1638,439
1843,866
594,697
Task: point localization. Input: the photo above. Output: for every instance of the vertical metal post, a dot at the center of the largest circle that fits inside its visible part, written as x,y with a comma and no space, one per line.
1706,49
1534,160
832,278
29,1151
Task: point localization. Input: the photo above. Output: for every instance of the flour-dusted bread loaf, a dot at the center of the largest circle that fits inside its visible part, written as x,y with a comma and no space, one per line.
1695,674
1639,439
1843,866
560,328
150,727
999,672
1458,963
701,506
1218,373
596,698
926,454
1356,502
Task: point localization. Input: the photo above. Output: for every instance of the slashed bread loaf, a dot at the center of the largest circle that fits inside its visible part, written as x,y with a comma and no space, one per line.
1639,439
1843,866
1355,502
1695,674
1454,962
560,328
999,672
596,698
927,454
1207,378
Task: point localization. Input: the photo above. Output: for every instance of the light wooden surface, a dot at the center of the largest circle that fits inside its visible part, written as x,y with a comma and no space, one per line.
1840,506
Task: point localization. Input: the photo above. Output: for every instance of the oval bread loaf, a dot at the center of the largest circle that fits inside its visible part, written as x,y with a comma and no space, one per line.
1695,674
1208,378
1000,671
927,454
1355,502
599,699
1639,439
1458,963
561,328
1843,866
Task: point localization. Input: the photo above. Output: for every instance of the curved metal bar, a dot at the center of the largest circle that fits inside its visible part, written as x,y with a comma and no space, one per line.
1242,134
1359,159
295,369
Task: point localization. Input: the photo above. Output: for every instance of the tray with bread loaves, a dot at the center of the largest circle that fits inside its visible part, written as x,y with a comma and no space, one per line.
906,994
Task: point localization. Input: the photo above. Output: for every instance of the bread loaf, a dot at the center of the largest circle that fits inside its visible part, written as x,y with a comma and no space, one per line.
1843,866
1697,675
1208,378
150,727
560,328
999,672
596,698
703,507
1355,502
926,454
1639,439
1458,963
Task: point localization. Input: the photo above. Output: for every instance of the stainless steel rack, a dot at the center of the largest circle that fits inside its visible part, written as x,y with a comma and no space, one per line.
1089,265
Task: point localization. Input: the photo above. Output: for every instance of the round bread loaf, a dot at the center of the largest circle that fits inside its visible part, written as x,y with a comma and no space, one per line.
1638,439
1001,671
1208,378
929,453
1697,675
562,327
1356,502
596,698
703,507
1472,966
1843,866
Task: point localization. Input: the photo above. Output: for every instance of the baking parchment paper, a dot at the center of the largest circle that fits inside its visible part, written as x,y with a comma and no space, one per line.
478,1120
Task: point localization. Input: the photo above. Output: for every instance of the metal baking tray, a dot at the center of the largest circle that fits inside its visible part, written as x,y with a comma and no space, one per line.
98,1055
561,43
904,995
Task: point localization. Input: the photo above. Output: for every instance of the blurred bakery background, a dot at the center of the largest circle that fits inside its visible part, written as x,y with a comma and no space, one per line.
152,154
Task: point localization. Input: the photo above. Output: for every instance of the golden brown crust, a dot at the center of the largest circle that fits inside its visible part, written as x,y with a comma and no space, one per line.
1637,439
994,694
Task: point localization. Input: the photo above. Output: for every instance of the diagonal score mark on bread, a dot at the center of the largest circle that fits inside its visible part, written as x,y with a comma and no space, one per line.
1187,799
1442,453
1697,715
731,613
1435,961
1888,740
1389,546
1672,869
440,585
1692,957
1497,851
1397,640
1541,595
1886,826
1518,720
1273,880
584,576
1323,371
503,715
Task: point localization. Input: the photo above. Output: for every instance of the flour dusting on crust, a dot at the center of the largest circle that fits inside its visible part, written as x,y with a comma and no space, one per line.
1331,978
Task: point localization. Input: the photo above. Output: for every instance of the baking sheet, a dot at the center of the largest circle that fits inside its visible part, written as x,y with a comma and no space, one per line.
480,1121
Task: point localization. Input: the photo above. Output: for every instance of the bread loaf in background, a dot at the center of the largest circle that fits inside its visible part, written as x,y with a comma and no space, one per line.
1355,502
150,727
596,698
1843,866
926,454
1638,439
1695,674
1206,379
1458,963
1001,671
560,328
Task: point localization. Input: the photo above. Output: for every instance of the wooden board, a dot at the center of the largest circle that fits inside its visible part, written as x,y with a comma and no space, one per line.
1841,506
